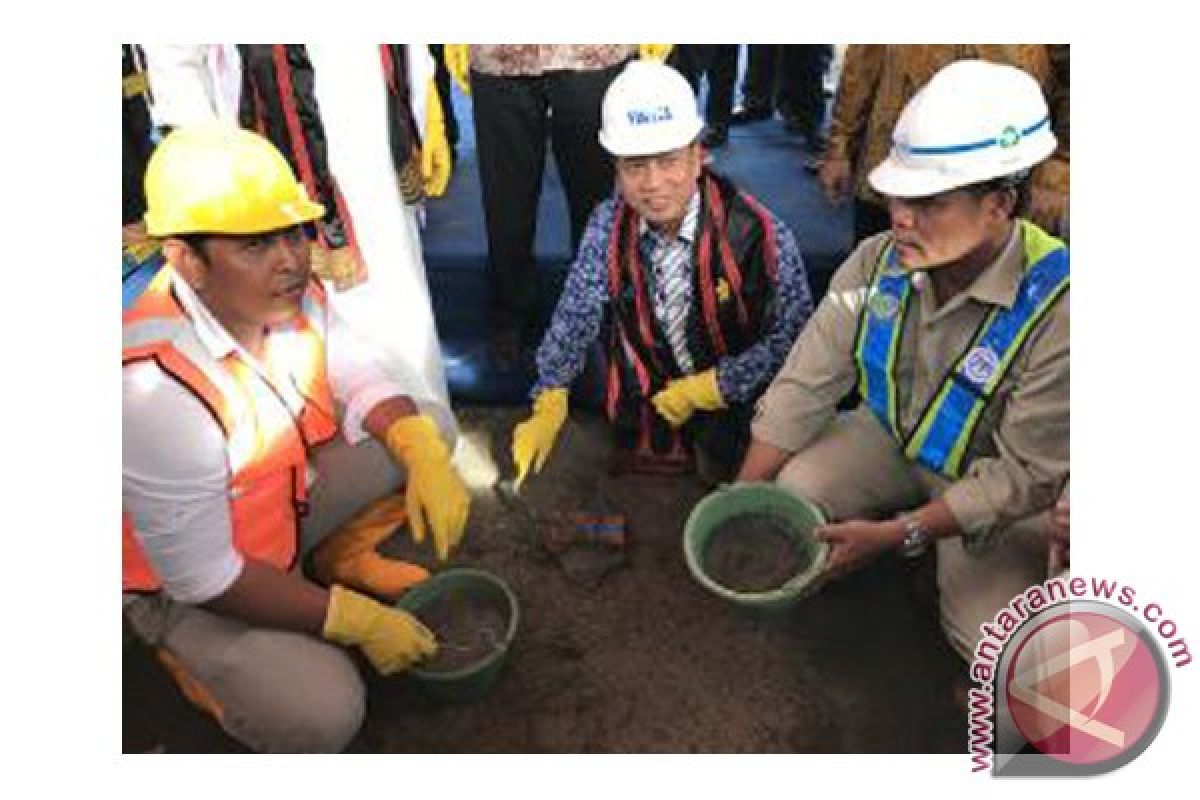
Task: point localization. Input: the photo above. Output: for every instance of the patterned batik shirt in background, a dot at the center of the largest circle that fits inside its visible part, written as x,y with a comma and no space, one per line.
879,79
514,60
581,307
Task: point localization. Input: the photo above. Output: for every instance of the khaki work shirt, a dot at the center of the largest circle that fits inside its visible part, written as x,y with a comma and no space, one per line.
1019,457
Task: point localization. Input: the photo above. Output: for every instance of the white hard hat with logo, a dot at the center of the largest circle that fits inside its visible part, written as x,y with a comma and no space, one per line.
974,121
649,108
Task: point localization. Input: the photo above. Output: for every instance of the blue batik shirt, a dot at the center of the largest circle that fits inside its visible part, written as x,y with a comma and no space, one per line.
562,354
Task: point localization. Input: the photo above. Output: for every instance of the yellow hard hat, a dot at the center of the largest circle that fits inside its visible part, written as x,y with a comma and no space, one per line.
222,179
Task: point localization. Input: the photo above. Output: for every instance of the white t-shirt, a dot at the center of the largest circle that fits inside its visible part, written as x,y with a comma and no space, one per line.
175,471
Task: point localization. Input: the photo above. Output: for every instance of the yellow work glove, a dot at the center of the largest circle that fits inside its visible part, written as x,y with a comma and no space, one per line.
347,556
392,639
658,52
435,148
534,438
686,396
458,64
435,492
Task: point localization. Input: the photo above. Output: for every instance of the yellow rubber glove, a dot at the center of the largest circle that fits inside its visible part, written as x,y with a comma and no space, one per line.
347,556
458,64
534,438
435,148
390,638
658,52
435,492
686,396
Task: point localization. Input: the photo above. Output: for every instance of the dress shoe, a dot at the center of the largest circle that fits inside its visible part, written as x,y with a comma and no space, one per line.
744,116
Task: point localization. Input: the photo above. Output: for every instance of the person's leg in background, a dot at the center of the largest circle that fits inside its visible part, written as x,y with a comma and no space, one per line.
441,77
805,65
694,61
758,90
786,81
722,74
689,59
585,167
510,131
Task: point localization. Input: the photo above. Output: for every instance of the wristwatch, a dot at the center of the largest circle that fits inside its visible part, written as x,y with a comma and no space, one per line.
916,537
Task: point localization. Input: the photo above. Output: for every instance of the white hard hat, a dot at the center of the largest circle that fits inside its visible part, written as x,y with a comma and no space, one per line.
972,122
649,108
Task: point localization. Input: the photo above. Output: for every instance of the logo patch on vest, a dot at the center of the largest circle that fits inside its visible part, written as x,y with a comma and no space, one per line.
980,364
883,305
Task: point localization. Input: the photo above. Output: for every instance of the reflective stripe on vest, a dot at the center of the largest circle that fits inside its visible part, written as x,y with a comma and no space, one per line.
940,439
266,466
878,343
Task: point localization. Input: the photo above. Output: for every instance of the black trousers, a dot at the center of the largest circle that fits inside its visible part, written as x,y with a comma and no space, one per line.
762,78
136,145
801,90
788,77
514,116
719,63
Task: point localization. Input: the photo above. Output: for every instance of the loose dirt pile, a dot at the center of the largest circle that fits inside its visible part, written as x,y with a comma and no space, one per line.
752,553
644,660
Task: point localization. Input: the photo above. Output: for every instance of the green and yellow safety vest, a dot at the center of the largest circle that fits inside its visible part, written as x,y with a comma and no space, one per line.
940,437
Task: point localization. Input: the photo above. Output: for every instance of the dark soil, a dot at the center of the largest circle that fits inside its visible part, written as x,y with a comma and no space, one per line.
752,553
468,627
644,660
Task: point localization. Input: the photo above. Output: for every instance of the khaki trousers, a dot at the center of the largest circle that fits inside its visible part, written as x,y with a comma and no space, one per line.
278,691
854,470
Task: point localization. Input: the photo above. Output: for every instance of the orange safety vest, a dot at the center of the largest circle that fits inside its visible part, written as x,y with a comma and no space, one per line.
267,467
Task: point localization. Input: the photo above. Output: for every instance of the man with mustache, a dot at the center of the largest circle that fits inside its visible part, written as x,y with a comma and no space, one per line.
955,327
246,400
697,290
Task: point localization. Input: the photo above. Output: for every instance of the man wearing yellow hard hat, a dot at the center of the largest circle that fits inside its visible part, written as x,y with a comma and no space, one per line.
361,126
955,327
238,379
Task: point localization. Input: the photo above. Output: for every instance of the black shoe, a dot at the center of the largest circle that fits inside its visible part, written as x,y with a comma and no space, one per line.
744,116
715,137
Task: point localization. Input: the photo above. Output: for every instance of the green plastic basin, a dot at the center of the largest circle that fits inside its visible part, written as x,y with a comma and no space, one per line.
797,515
473,680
